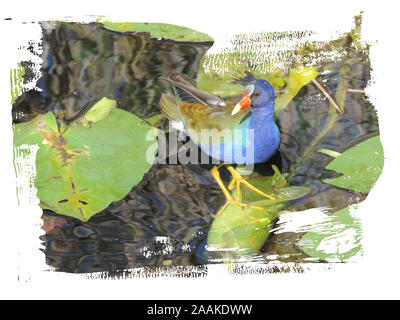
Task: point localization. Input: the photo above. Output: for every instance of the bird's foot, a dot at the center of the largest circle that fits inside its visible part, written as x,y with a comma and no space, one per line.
237,179
240,206
230,200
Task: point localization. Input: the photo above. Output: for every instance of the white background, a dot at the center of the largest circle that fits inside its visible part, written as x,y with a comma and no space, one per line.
23,271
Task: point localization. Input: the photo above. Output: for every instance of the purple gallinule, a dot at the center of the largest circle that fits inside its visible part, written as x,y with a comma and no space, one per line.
242,133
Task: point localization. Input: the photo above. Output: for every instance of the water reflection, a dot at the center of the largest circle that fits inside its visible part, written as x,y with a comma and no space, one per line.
164,220
85,62
161,221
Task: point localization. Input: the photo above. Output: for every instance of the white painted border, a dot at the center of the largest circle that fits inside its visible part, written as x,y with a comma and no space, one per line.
375,277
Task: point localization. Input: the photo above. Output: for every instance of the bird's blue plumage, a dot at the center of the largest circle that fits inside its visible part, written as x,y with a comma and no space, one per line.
257,138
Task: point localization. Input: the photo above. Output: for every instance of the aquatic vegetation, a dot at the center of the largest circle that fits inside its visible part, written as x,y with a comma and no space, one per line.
321,111
360,166
81,169
234,231
336,239
339,237
159,30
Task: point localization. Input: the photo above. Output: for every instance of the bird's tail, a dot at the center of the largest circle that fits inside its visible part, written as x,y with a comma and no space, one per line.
170,108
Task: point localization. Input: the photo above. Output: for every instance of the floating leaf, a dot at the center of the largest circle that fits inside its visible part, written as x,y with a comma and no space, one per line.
297,79
159,30
100,110
80,171
361,166
235,230
337,238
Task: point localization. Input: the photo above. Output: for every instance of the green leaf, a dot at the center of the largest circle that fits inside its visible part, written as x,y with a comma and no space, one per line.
297,79
81,171
235,230
361,166
101,109
337,238
159,30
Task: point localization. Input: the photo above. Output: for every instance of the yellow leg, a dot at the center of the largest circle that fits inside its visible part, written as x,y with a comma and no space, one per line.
238,179
230,199
230,188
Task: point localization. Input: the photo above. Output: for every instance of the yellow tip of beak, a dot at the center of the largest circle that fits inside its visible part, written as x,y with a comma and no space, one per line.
236,109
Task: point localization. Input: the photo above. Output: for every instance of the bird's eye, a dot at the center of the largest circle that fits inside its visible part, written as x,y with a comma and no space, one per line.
257,94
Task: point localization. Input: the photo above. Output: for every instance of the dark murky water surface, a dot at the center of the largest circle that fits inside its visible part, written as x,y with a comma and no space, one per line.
164,219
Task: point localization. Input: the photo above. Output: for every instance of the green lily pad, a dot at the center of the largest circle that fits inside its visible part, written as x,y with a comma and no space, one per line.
337,238
235,230
81,170
159,30
361,166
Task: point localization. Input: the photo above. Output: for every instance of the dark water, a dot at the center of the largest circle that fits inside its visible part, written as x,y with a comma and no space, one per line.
164,220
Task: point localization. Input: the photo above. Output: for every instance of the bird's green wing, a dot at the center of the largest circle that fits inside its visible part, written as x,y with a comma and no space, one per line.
205,115
202,119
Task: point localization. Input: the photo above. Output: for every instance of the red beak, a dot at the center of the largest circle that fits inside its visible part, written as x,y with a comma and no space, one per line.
243,103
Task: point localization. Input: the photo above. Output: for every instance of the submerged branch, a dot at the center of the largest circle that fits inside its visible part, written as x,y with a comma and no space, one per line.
328,96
